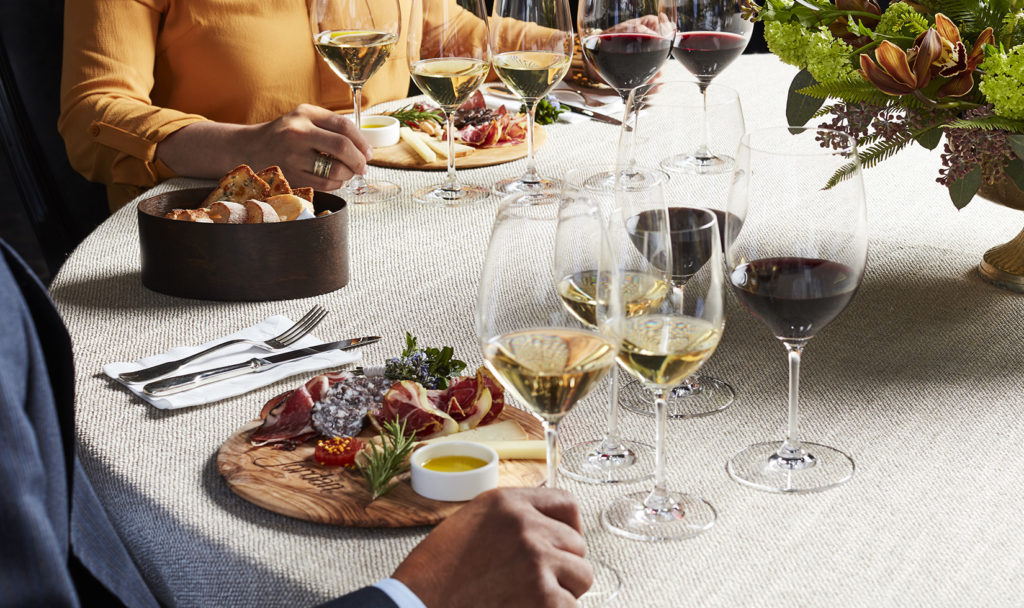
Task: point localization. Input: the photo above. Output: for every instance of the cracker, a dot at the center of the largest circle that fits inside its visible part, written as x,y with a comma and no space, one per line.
260,212
275,179
238,186
226,212
306,193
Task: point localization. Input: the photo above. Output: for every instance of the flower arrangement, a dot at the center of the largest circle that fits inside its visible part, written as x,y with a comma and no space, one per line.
911,73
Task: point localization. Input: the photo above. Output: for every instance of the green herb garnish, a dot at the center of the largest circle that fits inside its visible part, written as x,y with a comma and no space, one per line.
415,113
547,112
380,464
431,367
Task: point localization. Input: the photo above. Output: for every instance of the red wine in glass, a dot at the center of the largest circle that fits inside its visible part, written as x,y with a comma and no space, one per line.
626,60
690,247
794,297
705,54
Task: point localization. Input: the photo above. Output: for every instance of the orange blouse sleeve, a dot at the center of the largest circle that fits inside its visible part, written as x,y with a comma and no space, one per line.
109,125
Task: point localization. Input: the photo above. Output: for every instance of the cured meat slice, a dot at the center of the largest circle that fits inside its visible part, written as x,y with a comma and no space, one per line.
488,381
286,417
409,402
458,400
342,410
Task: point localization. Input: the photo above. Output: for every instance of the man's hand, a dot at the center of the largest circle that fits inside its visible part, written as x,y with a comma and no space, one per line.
507,547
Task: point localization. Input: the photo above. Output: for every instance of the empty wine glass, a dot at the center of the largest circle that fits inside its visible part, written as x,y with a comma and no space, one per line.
449,57
534,345
627,42
795,266
667,342
532,43
355,40
612,458
710,34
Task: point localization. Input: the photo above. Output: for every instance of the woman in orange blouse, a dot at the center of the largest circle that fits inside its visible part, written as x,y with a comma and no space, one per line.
153,89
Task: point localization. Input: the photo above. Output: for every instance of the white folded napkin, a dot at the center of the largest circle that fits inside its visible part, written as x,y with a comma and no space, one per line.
238,385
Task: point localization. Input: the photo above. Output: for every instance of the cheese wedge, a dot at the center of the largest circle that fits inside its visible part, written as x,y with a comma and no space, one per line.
415,142
441,147
528,449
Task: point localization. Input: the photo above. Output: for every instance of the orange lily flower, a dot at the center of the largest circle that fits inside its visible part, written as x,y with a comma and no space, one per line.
955,62
900,72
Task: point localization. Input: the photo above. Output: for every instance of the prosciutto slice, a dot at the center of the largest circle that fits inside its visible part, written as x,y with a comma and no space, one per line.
286,417
408,401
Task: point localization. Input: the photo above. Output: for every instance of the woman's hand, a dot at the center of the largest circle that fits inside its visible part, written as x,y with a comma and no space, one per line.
292,141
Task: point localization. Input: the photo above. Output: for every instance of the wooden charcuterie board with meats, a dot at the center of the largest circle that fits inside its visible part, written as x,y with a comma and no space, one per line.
401,156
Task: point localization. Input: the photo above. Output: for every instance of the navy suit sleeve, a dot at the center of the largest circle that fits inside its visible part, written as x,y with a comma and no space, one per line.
367,597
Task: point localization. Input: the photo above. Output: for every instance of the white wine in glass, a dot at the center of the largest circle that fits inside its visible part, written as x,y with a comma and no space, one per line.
449,57
532,42
355,40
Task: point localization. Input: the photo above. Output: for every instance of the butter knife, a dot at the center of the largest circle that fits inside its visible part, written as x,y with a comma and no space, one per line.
177,384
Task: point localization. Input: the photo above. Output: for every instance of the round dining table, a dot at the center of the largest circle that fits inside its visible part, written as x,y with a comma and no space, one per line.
920,380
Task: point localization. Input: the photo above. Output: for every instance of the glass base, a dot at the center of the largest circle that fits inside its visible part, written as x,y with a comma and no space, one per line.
369,192
606,587
443,196
540,187
814,468
685,517
587,462
698,164
704,396
640,179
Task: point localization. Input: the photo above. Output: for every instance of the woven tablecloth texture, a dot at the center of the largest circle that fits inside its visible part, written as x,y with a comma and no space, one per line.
920,380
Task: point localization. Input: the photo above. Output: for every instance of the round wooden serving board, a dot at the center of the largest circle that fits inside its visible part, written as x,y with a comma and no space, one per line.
292,483
401,156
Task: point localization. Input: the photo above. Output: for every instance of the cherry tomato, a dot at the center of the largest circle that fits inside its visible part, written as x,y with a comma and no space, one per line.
338,451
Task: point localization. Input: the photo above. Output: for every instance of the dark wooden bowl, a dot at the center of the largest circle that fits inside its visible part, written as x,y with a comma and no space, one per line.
242,262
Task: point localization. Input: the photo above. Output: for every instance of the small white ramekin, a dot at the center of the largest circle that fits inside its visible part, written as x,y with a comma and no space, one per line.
380,131
463,485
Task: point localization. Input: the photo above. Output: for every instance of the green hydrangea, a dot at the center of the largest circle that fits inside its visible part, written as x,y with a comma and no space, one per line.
1003,82
900,19
827,58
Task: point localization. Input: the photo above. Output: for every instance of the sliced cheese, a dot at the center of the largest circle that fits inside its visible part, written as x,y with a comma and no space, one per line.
441,147
506,430
415,141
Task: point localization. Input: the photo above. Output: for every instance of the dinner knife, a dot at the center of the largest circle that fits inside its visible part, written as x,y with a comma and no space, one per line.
177,384
590,113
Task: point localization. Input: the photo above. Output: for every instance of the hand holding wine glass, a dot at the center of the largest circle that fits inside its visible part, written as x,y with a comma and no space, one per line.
532,42
355,41
795,265
666,343
449,57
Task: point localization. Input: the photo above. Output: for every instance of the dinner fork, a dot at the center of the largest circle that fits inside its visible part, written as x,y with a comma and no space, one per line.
289,336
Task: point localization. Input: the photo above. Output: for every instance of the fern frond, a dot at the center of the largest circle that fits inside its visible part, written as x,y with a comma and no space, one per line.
870,157
857,90
987,123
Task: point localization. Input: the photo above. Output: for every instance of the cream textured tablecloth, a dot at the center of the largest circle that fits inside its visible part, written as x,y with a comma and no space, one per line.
920,380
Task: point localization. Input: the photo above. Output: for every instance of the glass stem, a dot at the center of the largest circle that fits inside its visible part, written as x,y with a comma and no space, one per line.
531,176
703,152
791,448
658,500
627,135
551,439
451,185
611,440
356,184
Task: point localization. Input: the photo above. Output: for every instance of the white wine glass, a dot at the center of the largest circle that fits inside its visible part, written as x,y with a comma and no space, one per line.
449,57
795,265
710,34
532,44
534,346
355,40
612,458
663,344
626,42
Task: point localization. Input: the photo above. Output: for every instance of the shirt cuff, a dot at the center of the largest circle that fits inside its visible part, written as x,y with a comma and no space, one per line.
399,593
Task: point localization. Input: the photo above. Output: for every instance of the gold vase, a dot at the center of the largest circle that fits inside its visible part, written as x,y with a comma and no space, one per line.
1003,265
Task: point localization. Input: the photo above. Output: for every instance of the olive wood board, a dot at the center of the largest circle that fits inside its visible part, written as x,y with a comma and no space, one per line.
292,483
401,156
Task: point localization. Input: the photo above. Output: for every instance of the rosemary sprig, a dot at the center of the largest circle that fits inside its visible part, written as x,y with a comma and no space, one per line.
412,113
380,464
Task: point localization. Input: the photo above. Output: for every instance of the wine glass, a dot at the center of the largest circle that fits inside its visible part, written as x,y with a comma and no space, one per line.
710,34
664,344
449,57
627,42
666,103
532,43
795,266
355,40
612,458
535,347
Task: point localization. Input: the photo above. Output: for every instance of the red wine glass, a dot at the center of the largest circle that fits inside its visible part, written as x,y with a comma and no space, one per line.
710,34
626,42
795,265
